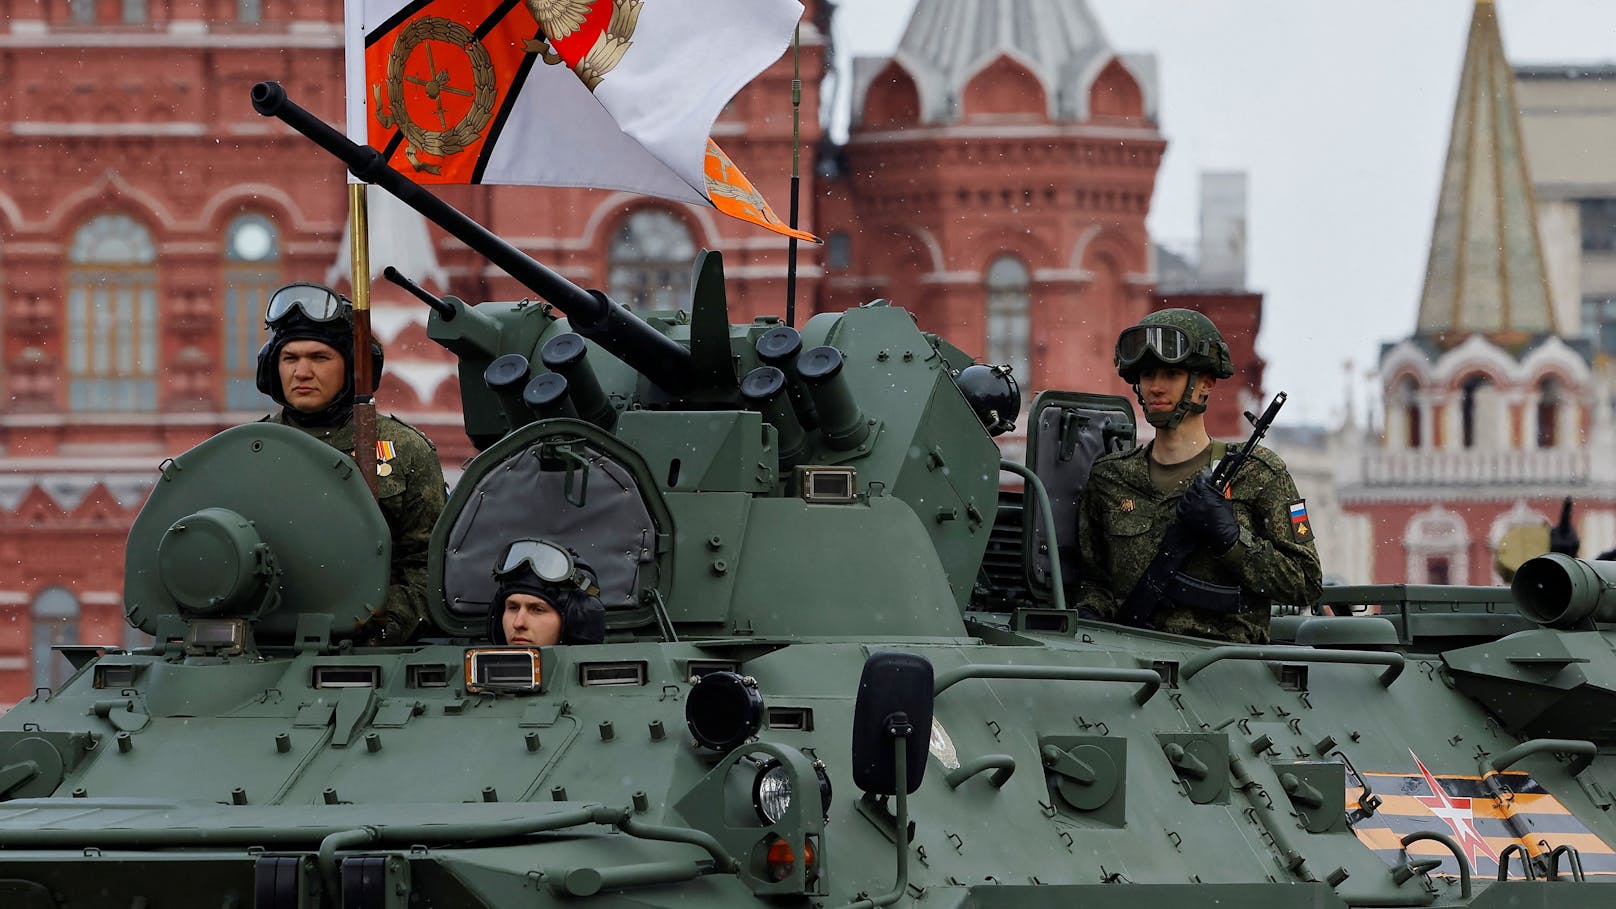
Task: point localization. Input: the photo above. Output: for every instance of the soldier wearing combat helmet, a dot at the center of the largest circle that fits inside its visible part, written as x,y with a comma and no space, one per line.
1257,538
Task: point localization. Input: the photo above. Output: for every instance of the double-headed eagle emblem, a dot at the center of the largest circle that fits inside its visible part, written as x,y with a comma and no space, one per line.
557,20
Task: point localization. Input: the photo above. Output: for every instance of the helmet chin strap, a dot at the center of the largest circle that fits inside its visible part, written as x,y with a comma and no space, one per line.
1172,418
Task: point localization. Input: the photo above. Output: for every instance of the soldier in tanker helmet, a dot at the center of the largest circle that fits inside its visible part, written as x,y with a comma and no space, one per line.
307,368
1258,539
545,597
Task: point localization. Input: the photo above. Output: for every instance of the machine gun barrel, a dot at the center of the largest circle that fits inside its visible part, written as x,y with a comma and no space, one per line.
593,314
438,305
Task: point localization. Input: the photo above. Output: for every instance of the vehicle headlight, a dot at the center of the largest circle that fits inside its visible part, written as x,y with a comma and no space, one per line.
772,792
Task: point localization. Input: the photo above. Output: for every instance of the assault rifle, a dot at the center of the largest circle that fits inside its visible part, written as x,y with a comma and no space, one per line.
1163,580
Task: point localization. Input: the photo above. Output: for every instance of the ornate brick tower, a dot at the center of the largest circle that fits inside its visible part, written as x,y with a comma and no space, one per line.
995,183
1492,409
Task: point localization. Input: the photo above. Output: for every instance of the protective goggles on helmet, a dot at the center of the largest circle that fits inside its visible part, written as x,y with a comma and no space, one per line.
547,561
1161,342
317,303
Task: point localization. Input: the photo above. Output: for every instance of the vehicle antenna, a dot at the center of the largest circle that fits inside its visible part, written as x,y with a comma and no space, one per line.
796,176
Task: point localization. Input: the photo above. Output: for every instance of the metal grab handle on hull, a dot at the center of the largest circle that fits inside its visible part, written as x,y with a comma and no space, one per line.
1458,854
1255,653
1002,765
1046,515
1148,678
719,861
1570,852
1526,862
1584,752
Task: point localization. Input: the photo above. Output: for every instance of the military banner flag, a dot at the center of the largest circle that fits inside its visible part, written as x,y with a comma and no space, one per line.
609,94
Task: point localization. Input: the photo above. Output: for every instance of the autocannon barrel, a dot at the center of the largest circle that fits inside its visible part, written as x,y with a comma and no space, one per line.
592,314
1558,591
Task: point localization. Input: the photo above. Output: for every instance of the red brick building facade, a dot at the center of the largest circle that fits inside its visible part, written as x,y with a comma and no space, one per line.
997,189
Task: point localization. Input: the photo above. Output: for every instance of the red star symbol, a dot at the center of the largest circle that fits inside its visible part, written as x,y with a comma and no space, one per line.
1455,812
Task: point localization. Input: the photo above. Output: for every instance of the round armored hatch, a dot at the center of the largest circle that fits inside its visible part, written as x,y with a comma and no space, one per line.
48,767
214,562
304,500
1088,797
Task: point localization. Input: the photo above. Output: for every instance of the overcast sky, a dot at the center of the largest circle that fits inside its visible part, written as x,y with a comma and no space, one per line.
1339,114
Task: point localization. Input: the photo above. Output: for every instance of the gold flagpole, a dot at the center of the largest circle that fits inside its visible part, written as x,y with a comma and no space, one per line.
364,409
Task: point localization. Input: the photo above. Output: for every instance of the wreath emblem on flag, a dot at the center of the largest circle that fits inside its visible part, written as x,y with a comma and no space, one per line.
560,20
446,139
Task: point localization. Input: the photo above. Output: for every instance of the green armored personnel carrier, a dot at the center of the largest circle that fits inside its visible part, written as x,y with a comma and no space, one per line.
838,667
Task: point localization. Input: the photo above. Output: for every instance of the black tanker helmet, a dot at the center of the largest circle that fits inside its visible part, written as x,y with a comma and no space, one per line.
542,569
311,312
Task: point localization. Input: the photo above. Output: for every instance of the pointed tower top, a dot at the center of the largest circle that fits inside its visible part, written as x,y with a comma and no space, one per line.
1485,273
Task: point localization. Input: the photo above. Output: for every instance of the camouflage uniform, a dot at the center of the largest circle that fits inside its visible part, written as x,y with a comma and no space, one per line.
411,497
1123,518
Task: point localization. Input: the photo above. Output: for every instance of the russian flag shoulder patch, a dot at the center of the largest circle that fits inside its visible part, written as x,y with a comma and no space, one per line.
1301,527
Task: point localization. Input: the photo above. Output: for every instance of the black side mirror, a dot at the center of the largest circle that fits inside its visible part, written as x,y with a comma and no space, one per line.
894,701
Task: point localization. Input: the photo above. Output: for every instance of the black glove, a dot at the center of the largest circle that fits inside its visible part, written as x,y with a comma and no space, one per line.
1207,516
1563,537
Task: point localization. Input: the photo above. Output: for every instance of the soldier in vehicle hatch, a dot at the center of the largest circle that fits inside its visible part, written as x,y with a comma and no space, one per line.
307,368
545,597
1256,543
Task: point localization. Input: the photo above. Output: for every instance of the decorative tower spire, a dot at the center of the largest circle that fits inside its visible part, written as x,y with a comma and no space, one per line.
1485,273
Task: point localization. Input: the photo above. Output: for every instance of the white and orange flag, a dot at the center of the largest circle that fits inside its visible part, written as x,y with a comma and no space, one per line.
608,94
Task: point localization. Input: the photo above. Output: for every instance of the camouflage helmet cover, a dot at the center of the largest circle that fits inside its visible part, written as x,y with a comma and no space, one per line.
1207,353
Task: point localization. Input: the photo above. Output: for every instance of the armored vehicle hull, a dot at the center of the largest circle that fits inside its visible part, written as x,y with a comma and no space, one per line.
838,668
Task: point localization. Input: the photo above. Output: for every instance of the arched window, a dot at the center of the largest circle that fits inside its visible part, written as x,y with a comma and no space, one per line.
1548,412
649,261
1437,546
250,11
112,316
1408,401
1477,411
82,11
56,622
1008,321
251,273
